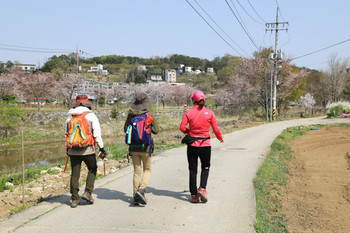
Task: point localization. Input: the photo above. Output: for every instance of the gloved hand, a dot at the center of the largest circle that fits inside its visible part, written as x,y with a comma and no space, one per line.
102,153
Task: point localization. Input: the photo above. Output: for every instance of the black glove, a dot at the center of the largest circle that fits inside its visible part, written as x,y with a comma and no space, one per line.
102,153
102,150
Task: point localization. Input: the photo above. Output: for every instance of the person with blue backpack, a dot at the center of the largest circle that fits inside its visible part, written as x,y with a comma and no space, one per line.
139,126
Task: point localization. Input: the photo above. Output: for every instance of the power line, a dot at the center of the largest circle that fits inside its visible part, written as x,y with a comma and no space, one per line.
342,42
33,51
256,12
220,27
82,52
287,40
20,48
248,13
213,28
25,47
279,9
242,25
241,20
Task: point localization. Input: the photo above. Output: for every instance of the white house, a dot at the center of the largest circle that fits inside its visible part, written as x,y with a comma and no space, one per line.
142,68
98,70
28,68
197,71
188,69
210,70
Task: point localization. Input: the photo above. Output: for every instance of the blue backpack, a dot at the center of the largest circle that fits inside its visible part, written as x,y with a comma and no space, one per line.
139,132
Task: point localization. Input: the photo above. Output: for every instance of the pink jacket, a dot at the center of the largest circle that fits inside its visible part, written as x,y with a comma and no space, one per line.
200,127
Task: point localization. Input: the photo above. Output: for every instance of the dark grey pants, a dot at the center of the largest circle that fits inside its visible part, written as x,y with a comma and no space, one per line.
90,161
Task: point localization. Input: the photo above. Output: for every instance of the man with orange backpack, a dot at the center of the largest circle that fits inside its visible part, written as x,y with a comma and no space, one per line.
82,133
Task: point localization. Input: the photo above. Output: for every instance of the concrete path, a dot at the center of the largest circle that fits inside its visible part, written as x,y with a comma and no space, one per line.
231,205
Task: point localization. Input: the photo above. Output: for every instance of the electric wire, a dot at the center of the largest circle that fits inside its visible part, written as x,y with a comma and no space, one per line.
256,12
25,47
34,51
319,50
20,48
287,41
213,28
279,9
240,18
242,26
84,52
220,27
247,12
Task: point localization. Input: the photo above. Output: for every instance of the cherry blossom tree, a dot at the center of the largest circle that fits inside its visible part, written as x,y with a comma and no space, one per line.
38,85
248,86
67,86
8,85
307,101
118,93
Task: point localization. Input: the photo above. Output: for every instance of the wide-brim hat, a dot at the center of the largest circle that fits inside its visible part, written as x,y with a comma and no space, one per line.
82,100
141,102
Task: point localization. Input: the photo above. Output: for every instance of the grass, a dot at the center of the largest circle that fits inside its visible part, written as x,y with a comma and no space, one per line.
270,178
31,173
18,209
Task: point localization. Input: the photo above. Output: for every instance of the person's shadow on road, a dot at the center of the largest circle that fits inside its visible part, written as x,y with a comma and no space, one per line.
107,194
182,195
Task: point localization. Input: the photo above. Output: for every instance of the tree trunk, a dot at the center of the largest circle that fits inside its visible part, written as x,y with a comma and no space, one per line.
37,100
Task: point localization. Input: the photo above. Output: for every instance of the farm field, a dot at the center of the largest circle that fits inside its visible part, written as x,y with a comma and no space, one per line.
317,197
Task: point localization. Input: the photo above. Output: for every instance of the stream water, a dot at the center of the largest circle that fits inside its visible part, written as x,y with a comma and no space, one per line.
34,155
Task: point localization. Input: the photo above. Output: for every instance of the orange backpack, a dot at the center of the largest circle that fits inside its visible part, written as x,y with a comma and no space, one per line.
78,134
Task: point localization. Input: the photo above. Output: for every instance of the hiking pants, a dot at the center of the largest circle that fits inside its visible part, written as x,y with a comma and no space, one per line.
204,154
137,157
90,161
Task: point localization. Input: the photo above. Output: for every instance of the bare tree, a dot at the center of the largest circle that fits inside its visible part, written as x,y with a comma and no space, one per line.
334,79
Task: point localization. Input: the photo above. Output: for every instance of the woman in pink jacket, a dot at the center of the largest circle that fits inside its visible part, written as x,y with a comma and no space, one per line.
199,120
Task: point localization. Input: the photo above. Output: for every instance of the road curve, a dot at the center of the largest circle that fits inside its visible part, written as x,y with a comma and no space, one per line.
231,205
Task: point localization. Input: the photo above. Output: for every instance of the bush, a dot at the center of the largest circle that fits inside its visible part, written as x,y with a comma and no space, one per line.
338,108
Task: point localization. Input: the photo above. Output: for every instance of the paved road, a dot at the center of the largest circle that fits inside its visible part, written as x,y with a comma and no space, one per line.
231,205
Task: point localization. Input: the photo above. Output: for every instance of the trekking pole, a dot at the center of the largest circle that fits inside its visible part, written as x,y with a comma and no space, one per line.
104,168
65,167
102,157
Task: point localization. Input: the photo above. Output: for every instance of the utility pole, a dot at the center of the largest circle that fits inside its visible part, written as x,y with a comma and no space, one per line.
77,60
276,56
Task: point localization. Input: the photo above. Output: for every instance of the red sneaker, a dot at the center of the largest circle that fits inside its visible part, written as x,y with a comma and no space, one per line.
202,193
194,199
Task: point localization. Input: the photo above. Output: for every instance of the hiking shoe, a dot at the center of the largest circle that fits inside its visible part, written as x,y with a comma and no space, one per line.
75,203
136,199
202,193
194,199
140,197
88,197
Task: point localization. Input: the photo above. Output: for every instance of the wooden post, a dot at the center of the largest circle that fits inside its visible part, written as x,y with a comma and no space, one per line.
23,168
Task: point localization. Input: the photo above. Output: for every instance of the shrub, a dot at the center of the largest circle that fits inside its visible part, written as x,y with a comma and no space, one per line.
338,108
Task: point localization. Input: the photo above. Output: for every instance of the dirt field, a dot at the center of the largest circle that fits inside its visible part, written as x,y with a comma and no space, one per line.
317,197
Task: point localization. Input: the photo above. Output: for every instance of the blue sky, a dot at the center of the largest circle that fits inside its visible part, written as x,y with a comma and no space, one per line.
164,27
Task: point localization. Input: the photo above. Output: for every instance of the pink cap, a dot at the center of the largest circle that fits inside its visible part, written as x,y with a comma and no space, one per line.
198,96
